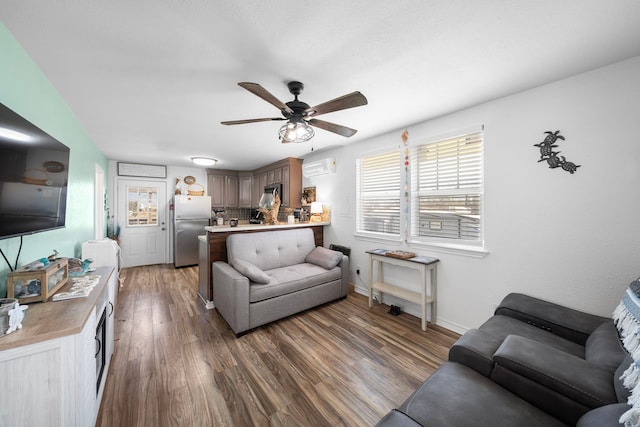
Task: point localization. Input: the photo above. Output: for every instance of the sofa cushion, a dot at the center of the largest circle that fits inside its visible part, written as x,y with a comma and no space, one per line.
604,416
587,384
502,326
455,395
325,258
293,278
603,347
271,249
250,271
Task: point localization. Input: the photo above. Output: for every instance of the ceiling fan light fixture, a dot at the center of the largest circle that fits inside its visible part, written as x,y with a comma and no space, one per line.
203,161
296,132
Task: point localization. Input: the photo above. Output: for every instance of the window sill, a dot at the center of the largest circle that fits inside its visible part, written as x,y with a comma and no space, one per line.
378,237
470,251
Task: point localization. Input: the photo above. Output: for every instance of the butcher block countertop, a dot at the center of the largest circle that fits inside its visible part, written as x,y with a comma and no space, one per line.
246,227
55,319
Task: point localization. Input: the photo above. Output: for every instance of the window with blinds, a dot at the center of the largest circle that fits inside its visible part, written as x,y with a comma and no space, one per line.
378,194
447,190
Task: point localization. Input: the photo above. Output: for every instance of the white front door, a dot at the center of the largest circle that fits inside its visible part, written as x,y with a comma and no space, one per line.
142,211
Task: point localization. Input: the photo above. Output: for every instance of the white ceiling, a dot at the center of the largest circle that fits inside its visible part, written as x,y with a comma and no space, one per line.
150,80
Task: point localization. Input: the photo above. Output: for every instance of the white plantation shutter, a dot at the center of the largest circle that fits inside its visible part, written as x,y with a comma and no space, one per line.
447,190
378,194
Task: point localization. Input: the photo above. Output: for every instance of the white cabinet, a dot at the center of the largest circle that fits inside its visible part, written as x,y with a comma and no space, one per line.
49,377
51,383
85,403
112,292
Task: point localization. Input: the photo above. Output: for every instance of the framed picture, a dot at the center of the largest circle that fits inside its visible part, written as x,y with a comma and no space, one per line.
308,195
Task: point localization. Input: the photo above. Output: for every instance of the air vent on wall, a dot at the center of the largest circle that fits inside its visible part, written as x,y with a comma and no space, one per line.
319,167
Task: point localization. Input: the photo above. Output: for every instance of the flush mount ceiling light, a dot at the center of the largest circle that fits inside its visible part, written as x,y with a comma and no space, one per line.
203,161
299,115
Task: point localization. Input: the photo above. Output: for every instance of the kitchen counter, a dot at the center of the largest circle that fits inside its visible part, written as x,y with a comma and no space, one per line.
262,227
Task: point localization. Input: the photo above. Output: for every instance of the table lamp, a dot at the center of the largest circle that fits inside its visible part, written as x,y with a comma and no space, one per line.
316,212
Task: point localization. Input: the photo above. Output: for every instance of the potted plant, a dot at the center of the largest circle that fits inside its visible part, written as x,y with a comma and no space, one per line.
113,231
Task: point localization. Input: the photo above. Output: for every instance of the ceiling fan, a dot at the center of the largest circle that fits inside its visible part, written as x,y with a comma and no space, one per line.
300,115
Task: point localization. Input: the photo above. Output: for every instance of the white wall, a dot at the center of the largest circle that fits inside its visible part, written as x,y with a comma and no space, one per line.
572,239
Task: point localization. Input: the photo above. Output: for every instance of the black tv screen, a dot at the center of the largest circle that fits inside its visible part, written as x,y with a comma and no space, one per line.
34,170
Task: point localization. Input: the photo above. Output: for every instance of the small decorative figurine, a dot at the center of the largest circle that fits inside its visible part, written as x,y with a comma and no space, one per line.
551,157
16,314
271,215
78,267
55,255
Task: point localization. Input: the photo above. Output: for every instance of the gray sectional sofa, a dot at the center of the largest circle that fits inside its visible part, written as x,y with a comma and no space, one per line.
274,274
534,363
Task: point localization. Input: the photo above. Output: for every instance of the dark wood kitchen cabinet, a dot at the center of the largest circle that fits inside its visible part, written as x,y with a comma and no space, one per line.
223,188
289,173
243,189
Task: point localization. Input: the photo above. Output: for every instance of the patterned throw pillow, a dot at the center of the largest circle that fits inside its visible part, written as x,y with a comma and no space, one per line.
627,319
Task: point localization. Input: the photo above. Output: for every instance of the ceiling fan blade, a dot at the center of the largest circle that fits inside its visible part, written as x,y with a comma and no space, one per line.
258,90
332,127
355,99
241,122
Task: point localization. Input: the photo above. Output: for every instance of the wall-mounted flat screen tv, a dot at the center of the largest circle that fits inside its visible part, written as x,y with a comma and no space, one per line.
34,171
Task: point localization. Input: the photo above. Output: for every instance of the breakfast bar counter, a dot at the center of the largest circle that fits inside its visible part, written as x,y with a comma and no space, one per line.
214,248
262,227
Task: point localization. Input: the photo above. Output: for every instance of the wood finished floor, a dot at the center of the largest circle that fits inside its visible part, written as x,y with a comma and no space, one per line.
178,364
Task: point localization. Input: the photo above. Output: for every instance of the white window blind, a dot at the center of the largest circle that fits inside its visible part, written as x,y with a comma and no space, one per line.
378,194
447,190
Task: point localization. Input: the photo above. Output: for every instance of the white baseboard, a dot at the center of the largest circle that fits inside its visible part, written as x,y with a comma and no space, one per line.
207,304
412,309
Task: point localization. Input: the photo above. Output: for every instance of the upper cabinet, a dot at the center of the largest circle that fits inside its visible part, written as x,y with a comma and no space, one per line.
233,189
216,189
289,173
223,188
245,190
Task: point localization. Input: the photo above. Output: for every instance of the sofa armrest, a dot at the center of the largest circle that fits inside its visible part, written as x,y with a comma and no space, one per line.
231,295
475,349
565,322
559,372
345,274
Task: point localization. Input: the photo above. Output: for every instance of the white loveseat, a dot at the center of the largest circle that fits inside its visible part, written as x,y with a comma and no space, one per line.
274,274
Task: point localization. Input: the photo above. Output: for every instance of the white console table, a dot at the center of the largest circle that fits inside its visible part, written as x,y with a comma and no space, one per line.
427,294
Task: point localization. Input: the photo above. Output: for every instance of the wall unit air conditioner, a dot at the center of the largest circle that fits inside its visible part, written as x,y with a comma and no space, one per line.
319,167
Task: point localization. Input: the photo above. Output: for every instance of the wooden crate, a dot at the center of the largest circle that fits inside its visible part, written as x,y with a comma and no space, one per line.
34,282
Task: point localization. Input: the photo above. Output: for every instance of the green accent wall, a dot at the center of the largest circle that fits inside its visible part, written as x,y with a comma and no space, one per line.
28,92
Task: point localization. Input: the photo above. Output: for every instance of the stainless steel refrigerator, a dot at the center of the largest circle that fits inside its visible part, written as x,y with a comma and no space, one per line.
191,215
